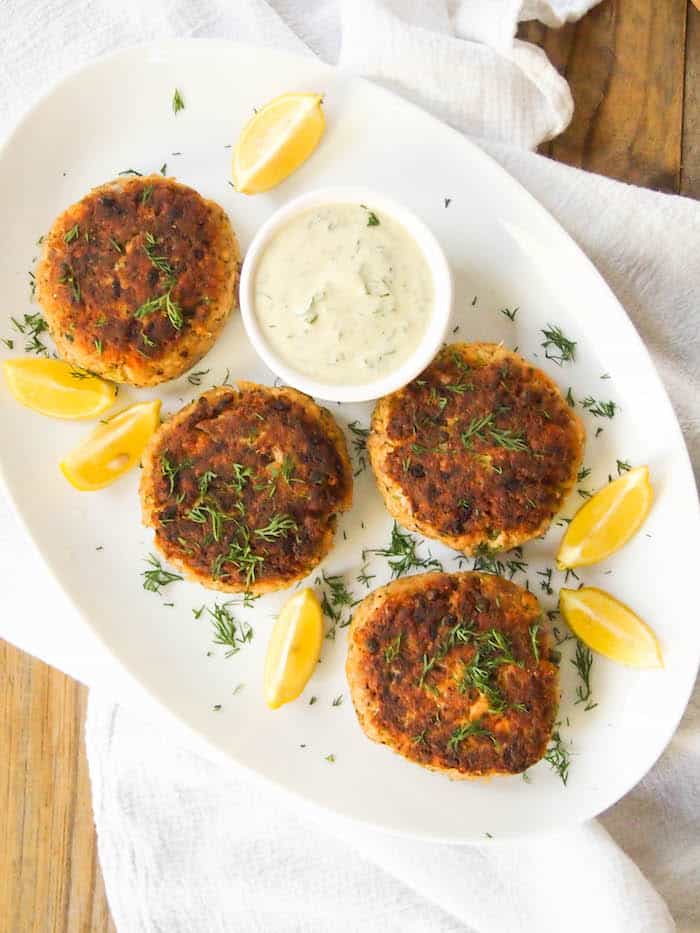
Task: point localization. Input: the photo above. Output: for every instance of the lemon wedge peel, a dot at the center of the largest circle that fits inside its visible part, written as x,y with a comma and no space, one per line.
293,648
607,521
272,146
113,448
58,389
609,627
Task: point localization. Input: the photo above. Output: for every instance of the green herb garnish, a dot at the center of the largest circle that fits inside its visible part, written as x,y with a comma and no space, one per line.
178,102
558,347
558,757
402,554
71,234
157,576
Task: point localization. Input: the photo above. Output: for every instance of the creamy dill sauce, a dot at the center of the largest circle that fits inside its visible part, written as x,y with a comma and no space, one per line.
343,294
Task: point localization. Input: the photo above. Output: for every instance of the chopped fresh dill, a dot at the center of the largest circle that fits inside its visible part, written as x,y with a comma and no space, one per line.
195,379
570,400
178,102
623,466
393,649
170,470
330,758
240,477
583,661
534,630
558,757
558,347
546,581
510,313
336,599
68,278
466,730
229,631
279,526
338,701
31,327
205,481
146,194
312,700
359,444
159,262
599,409
71,234
98,345
157,576
364,577
116,245
166,303
402,554
130,171
583,473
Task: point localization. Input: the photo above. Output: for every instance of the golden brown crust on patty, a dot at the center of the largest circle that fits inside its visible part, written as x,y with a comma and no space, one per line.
242,487
453,671
479,451
138,278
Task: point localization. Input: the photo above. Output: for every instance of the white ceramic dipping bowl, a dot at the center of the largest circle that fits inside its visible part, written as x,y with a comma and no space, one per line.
435,330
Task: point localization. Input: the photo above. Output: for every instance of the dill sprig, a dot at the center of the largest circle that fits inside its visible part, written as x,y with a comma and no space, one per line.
170,470
583,662
157,576
178,102
558,757
240,477
504,437
359,444
195,379
557,346
279,526
534,630
336,599
229,632
599,409
465,731
402,554
166,303
204,512
393,649
31,327
241,555
486,560
159,262
71,234
68,278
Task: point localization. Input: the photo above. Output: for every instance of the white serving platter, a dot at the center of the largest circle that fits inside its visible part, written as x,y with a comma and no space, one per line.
505,251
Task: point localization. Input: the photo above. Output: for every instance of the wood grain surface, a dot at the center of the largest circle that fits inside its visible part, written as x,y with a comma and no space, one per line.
633,67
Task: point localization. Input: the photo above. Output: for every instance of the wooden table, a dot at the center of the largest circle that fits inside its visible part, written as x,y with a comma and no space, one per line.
633,69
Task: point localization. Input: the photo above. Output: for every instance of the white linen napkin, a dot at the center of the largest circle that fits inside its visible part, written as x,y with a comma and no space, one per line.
188,845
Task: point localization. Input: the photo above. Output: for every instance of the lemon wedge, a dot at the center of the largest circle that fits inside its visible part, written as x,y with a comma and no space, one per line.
57,389
275,142
113,447
607,521
609,627
293,649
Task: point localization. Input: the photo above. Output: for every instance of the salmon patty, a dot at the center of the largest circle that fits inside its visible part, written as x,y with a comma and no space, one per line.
242,487
478,452
453,671
137,279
